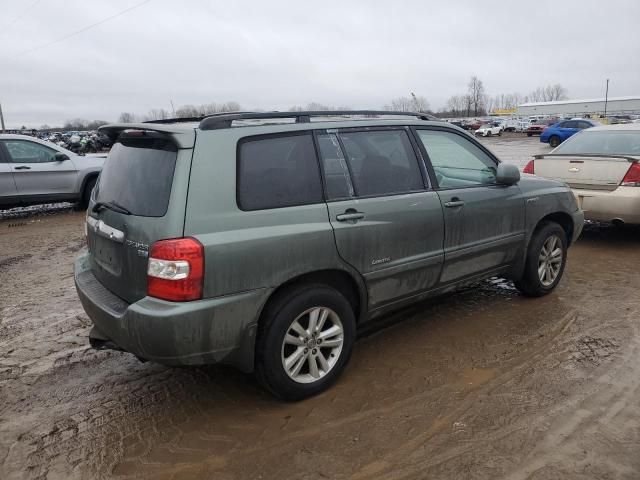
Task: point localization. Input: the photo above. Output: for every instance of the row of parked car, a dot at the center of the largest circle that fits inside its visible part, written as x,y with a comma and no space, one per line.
552,130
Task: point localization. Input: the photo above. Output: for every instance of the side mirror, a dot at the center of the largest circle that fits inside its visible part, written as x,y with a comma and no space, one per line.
60,157
507,174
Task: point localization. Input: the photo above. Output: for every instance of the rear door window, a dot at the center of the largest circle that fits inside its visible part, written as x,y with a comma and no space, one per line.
278,171
138,175
382,162
24,151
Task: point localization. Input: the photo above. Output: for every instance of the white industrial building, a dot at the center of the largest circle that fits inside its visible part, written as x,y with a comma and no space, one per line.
580,108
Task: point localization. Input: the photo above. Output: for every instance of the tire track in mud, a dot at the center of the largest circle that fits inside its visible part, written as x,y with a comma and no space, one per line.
387,466
545,451
594,410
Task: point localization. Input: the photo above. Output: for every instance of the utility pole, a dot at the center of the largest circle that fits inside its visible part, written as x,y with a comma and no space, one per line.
606,99
173,108
1,120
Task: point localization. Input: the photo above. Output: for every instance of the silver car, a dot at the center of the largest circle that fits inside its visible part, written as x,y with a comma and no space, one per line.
602,167
33,171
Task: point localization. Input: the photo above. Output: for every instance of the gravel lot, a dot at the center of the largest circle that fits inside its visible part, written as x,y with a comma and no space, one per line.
482,384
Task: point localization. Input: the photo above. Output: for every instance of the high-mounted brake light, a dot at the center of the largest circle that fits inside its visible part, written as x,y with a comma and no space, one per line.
135,133
529,168
632,178
176,270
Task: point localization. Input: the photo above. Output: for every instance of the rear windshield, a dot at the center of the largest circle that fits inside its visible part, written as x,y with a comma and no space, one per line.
603,142
138,175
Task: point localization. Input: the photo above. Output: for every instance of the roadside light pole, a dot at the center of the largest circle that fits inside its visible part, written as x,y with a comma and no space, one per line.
606,99
1,120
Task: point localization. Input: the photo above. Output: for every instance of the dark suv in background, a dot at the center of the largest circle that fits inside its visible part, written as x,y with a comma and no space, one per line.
264,240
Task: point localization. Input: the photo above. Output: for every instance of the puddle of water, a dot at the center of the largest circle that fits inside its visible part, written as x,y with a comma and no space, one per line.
477,376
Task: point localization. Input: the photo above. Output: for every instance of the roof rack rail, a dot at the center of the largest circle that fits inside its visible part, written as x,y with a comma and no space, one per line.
225,120
190,119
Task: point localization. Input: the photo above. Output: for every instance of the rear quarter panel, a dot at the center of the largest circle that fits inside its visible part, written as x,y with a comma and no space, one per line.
87,166
246,250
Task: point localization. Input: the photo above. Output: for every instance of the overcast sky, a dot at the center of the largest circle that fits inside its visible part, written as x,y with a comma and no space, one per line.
273,54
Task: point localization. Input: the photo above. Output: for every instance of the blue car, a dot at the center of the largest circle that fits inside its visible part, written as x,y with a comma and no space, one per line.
557,133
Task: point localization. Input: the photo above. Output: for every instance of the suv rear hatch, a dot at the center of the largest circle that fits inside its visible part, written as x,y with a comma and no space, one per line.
593,172
140,198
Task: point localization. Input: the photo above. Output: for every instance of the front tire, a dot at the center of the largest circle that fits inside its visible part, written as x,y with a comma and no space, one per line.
304,341
545,261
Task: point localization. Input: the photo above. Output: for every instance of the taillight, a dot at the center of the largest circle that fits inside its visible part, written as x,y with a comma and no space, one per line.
176,270
632,178
529,167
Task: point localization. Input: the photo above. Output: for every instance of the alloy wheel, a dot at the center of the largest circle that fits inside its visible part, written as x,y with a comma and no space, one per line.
312,344
550,260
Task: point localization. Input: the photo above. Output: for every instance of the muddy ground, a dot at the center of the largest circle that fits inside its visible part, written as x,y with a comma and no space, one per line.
482,384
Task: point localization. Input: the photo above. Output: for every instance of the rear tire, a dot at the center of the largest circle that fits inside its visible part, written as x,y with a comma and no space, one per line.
529,134
545,261
554,141
86,194
294,360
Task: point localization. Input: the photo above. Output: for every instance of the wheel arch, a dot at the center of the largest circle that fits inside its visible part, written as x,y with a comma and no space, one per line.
561,218
89,176
341,280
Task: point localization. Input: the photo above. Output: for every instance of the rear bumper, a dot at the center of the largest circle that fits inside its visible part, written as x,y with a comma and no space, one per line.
216,330
622,204
578,224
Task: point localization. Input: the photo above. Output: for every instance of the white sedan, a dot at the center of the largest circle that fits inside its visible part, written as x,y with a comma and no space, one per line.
487,130
602,167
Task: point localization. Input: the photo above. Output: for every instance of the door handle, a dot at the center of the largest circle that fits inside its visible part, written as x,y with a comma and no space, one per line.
22,167
350,215
454,203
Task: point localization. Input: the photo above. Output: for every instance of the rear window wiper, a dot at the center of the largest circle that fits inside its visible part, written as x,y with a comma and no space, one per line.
111,206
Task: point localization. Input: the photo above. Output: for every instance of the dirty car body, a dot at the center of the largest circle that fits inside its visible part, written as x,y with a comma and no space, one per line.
265,246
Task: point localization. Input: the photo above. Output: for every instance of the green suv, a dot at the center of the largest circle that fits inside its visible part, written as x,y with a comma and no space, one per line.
265,240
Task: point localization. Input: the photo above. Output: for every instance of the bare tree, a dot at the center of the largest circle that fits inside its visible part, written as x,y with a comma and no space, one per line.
157,114
400,104
320,107
420,103
126,117
457,105
490,103
95,124
548,93
230,107
512,100
555,92
476,95
188,111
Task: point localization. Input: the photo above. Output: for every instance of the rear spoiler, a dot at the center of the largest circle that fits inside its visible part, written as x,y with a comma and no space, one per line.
182,135
587,155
